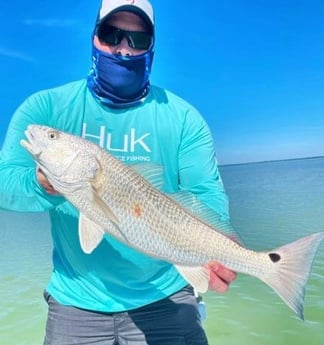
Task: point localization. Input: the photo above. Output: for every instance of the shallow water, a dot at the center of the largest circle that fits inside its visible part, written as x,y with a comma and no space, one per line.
271,204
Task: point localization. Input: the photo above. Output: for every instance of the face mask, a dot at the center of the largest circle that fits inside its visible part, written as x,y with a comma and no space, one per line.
120,81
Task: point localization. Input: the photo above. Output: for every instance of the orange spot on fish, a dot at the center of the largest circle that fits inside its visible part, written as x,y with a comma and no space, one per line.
137,210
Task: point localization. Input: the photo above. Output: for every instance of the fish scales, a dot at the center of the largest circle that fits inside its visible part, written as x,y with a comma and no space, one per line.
166,228
113,198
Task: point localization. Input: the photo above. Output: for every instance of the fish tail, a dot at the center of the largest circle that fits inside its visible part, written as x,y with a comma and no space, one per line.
290,270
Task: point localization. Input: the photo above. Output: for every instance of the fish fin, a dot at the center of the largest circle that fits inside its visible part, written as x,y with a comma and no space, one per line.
90,234
112,217
290,270
92,196
103,207
153,173
197,277
200,210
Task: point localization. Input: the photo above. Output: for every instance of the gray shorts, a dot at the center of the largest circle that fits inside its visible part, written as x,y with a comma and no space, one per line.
172,321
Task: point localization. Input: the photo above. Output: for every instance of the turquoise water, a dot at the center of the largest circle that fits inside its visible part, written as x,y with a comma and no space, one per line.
271,204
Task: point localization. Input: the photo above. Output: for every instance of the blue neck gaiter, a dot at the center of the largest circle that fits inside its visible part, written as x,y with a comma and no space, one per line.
120,81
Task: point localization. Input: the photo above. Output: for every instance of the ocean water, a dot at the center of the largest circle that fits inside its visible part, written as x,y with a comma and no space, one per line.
271,204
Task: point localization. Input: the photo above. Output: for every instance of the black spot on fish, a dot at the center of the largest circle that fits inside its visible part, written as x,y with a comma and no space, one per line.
274,257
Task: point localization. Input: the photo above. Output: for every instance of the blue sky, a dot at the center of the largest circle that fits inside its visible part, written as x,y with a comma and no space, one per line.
254,68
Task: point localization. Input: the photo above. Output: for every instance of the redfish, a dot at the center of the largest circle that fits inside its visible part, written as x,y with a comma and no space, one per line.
125,202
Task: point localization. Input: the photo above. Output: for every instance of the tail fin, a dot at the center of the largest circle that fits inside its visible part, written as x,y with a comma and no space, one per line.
291,266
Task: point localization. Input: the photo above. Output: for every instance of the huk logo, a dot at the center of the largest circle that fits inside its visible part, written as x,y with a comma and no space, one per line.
129,142
131,1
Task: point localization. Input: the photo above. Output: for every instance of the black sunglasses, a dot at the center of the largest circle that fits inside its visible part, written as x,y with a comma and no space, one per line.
113,36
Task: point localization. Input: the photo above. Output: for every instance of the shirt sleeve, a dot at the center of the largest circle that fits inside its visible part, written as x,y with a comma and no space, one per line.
198,168
19,188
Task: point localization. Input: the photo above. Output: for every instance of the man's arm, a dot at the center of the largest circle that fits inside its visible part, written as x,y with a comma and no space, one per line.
19,186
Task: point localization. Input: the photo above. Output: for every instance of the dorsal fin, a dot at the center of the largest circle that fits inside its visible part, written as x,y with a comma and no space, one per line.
197,208
151,172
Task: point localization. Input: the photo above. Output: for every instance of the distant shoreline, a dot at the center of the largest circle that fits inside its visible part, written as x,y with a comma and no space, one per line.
271,161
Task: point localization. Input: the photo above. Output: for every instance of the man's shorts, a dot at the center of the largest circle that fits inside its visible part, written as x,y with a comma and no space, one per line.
172,321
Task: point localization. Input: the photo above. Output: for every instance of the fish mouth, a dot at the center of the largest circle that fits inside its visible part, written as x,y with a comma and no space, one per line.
29,143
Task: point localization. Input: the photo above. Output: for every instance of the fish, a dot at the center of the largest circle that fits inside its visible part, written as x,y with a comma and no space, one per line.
127,202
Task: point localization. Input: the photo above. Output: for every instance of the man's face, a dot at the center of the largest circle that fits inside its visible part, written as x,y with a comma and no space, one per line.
123,33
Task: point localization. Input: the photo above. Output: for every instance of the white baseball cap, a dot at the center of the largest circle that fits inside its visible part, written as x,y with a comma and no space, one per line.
141,7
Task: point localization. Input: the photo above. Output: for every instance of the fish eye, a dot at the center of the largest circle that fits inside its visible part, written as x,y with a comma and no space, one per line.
52,135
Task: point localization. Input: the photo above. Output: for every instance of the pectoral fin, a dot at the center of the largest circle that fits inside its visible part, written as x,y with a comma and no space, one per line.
90,234
197,277
98,203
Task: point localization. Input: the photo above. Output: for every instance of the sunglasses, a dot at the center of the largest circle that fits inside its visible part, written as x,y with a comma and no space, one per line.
113,36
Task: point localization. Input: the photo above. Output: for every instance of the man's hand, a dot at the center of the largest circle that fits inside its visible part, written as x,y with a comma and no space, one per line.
43,181
220,277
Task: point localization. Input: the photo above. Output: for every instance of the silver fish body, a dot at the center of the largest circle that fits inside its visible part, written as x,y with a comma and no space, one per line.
114,198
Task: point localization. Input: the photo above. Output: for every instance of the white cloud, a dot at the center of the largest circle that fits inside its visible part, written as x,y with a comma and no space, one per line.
16,54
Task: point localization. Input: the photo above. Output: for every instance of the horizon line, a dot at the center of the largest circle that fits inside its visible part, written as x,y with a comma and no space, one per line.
271,160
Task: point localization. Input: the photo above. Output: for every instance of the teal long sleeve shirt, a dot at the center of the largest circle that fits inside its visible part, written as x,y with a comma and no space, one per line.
164,130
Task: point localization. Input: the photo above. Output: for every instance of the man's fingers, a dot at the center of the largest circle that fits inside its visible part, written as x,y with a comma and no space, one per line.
220,277
222,272
42,180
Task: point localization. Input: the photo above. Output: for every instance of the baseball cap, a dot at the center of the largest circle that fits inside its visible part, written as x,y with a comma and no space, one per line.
143,8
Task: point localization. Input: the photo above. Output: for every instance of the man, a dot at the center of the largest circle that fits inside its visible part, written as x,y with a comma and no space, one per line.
117,295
